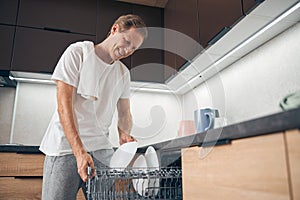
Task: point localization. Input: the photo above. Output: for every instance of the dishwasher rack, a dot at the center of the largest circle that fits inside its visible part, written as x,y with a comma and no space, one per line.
135,184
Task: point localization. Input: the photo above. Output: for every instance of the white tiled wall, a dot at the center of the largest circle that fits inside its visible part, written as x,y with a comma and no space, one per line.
34,107
155,116
7,97
253,86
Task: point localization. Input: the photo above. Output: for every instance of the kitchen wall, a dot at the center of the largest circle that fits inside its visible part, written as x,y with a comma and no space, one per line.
253,86
155,116
7,97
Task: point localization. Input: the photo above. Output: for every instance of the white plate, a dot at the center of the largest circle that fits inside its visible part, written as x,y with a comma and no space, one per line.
151,158
123,155
153,164
140,185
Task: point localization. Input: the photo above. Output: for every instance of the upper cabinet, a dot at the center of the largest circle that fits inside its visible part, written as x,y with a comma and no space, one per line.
77,16
249,5
8,11
38,50
108,12
181,21
216,17
6,43
146,64
201,22
8,18
46,28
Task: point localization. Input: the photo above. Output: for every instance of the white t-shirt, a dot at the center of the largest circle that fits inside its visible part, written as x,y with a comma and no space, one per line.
99,86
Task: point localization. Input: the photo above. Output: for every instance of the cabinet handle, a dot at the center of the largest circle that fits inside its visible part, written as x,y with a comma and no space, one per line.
220,34
57,30
28,177
215,143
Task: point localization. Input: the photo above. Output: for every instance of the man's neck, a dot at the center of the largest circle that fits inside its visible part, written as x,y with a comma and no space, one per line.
102,53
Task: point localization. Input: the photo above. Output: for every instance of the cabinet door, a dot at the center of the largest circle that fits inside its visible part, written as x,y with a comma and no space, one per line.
146,66
15,164
78,16
293,148
147,62
8,11
20,188
39,50
181,16
6,44
249,5
170,38
13,188
251,168
109,11
215,15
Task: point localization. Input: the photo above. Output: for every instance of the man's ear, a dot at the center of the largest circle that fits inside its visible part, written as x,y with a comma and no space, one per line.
115,28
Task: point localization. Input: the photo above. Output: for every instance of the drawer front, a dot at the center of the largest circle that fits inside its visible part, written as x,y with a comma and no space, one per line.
252,168
13,164
293,148
20,188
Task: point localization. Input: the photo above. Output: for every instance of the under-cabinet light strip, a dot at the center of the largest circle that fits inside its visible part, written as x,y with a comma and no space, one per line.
151,90
251,38
32,80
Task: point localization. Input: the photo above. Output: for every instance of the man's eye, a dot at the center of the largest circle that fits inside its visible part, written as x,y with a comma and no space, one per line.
127,42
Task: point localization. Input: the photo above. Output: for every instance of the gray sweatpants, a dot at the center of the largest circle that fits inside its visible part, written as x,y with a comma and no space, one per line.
60,178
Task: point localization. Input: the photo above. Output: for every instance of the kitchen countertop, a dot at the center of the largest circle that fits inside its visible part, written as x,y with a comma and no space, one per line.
274,123
19,148
260,126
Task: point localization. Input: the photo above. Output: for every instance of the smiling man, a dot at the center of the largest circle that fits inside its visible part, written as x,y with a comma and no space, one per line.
91,84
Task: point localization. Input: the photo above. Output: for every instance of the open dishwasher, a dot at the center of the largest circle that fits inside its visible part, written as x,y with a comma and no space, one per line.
131,183
138,183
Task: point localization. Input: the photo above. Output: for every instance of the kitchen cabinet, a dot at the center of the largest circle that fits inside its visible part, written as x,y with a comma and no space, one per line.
8,11
6,45
249,5
292,141
77,16
181,17
38,50
201,20
153,17
109,11
216,16
21,176
147,63
250,168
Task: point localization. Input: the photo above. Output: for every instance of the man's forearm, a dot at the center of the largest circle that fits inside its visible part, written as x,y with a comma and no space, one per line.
67,118
125,123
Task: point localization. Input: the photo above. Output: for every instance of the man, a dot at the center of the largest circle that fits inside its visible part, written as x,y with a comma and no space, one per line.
91,83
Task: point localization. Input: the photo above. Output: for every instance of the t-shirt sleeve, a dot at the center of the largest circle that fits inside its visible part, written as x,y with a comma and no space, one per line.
68,66
126,91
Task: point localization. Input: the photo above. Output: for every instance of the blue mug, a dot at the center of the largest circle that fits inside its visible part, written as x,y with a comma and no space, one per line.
205,119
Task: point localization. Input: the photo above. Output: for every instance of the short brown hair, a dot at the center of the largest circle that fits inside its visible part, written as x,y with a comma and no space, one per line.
126,22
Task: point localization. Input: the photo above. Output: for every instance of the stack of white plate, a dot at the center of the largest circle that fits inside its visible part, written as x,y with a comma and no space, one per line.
123,155
149,162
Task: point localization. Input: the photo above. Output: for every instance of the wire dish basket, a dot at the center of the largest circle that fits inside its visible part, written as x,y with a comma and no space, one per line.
135,183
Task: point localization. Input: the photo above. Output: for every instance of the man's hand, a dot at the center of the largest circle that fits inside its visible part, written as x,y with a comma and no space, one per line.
124,137
84,160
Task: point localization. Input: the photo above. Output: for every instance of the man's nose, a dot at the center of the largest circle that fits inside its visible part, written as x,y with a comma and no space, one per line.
128,50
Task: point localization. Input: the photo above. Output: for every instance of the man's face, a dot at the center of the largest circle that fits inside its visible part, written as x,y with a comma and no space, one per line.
125,43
